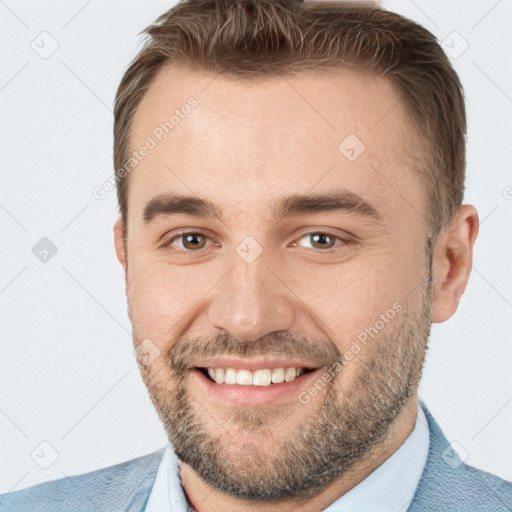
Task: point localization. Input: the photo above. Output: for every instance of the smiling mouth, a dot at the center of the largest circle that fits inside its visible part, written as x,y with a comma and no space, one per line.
260,377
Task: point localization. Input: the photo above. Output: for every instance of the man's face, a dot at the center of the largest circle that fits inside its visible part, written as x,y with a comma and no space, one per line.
265,278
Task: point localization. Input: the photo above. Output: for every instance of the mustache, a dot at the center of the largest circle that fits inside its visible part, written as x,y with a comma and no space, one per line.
188,352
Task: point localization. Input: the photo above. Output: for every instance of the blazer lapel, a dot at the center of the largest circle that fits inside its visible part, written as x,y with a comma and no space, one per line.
449,484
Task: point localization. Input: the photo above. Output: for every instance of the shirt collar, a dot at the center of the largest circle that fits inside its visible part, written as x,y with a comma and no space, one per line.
390,488
167,493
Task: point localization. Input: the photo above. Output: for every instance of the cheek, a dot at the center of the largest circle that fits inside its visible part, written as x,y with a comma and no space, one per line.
161,296
349,298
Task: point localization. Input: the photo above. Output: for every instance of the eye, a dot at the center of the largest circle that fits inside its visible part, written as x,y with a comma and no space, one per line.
187,242
320,240
192,241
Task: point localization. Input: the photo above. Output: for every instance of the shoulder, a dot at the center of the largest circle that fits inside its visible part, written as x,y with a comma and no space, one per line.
447,483
462,489
124,486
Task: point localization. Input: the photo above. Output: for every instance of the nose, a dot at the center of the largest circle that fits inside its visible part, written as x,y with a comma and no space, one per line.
251,301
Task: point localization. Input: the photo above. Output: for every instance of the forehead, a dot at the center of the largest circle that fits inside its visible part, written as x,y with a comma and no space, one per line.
231,139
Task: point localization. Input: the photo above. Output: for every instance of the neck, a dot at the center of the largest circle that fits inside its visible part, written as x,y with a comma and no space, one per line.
205,498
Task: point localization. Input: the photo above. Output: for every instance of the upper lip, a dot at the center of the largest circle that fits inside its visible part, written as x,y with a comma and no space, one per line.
253,364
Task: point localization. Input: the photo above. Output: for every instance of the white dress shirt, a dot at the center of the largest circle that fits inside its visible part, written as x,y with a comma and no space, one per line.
390,488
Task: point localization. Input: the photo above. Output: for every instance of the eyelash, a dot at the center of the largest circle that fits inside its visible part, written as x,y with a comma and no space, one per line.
168,245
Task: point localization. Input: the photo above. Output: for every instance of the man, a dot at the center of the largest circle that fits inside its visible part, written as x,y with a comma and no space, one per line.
290,184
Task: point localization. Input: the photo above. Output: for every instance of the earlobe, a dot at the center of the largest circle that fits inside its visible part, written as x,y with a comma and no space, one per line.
119,242
452,262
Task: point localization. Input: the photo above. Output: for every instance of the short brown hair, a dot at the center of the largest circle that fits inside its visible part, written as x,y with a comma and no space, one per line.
257,38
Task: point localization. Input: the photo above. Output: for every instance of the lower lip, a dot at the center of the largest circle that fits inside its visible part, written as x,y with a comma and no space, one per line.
256,395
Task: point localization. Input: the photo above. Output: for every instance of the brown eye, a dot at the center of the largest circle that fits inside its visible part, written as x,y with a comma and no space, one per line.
192,241
186,242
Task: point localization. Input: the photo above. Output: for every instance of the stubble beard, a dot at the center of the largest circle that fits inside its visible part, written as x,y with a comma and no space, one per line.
344,428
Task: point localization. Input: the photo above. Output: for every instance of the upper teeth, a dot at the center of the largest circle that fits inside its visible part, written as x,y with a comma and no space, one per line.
262,377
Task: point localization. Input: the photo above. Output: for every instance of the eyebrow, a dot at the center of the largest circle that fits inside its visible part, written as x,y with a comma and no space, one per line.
340,200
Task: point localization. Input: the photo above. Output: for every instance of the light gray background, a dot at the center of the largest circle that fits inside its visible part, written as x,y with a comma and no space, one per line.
67,372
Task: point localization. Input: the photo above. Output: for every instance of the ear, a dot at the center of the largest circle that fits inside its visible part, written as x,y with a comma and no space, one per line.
452,262
119,242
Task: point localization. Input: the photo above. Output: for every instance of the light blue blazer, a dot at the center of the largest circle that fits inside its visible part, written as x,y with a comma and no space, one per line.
446,485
